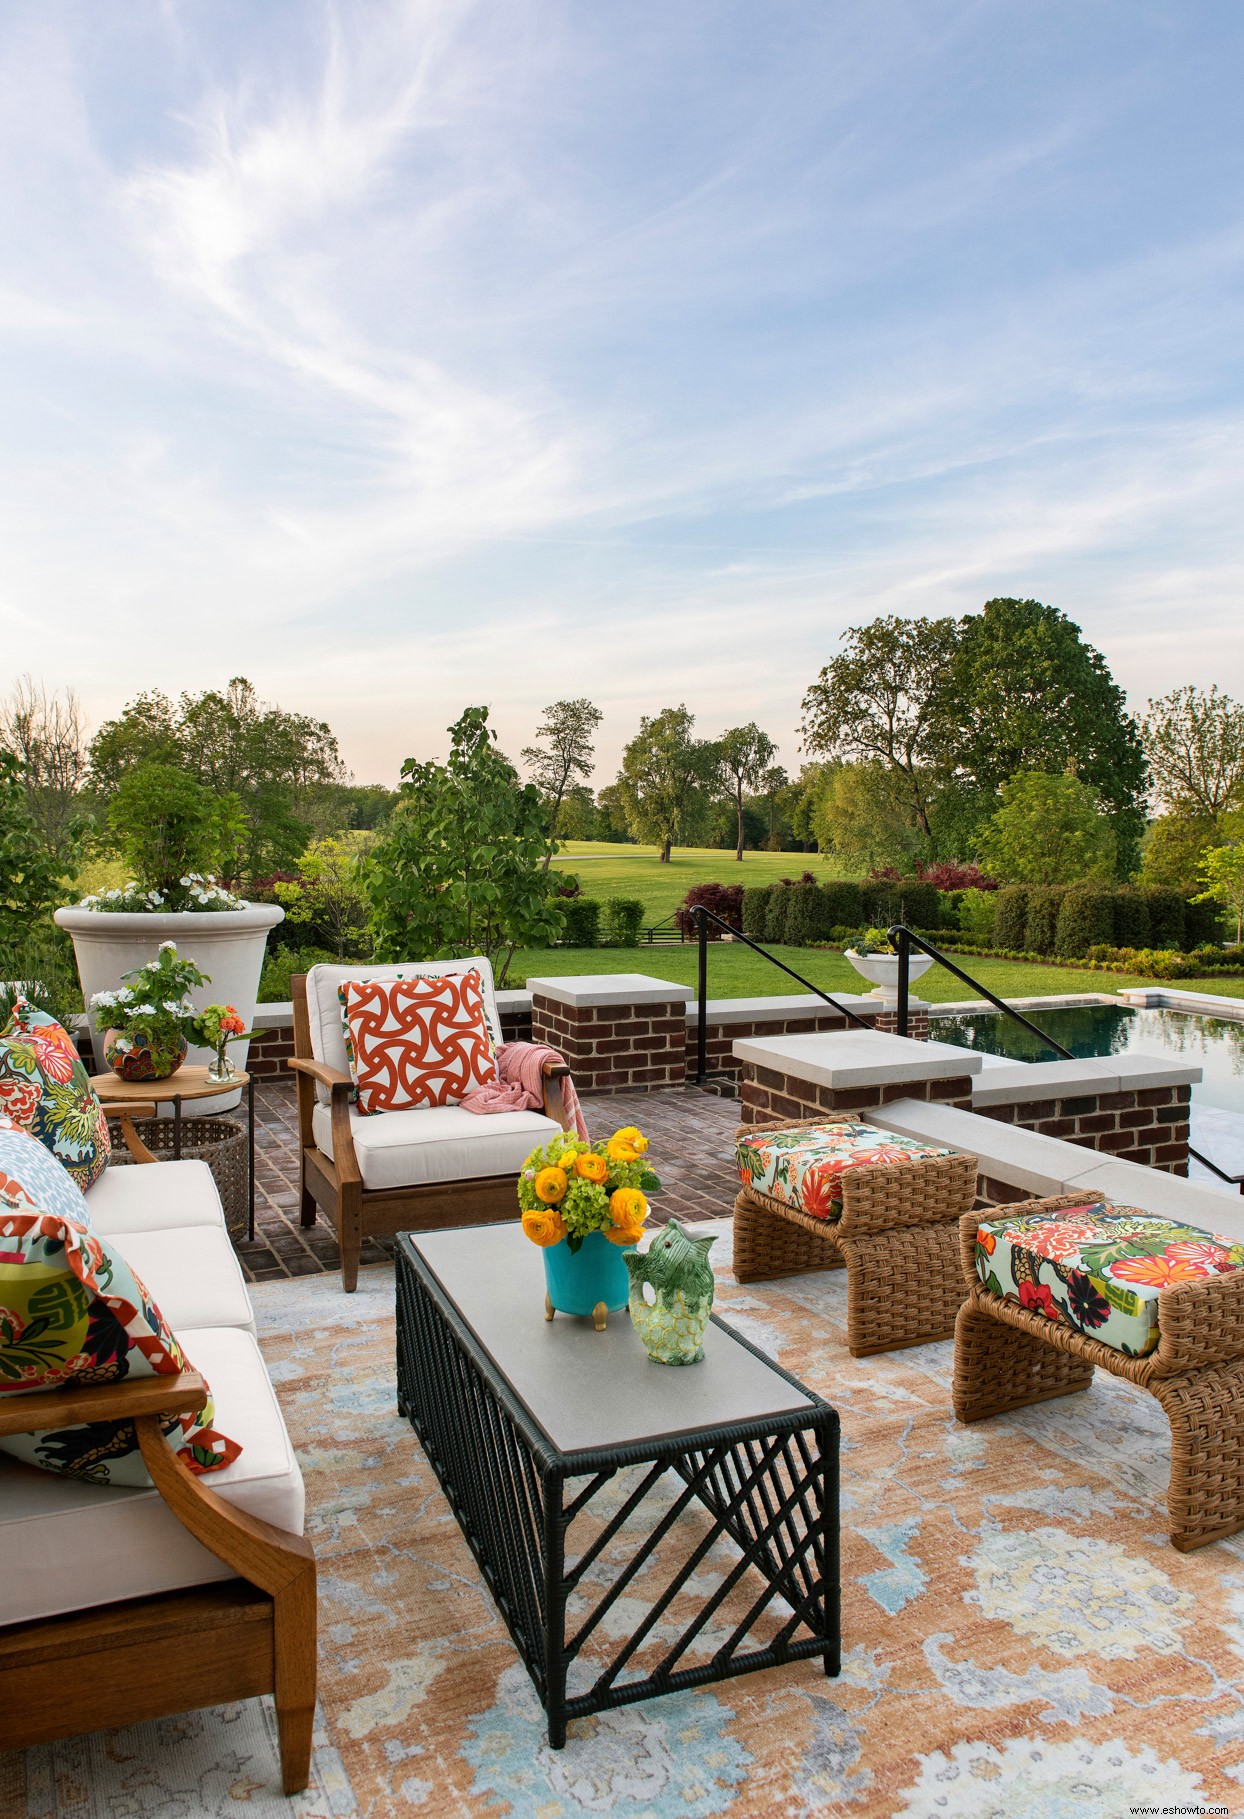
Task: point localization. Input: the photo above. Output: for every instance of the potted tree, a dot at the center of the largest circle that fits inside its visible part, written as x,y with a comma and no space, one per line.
172,832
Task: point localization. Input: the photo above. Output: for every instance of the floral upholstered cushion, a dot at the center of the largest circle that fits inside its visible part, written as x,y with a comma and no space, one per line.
1099,1269
32,1180
72,1311
44,1089
416,1042
805,1167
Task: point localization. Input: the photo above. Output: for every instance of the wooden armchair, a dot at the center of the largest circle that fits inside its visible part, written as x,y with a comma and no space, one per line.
145,1658
400,1171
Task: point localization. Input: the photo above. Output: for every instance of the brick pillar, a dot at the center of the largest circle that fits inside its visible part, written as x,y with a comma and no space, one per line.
619,1032
917,1019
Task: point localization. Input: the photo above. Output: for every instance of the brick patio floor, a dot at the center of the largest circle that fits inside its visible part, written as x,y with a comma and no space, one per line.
691,1133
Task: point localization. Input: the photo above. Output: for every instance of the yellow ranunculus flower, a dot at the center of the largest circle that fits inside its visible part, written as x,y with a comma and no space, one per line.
550,1186
544,1226
632,1135
591,1166
619,1150
627,1206
624,1234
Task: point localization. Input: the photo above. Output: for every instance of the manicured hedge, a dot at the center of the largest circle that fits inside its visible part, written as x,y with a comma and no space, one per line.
582,921
1166,907
808,916
776,912
1011,917
1085,919
624,919
844,904
1041,916
755,911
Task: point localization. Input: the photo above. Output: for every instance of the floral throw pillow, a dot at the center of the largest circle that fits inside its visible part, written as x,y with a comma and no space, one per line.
416,1042
44,1089
72,1311
804,1167
1099,1269
32,1180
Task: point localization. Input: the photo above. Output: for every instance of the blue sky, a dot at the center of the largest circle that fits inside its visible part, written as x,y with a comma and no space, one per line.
405,355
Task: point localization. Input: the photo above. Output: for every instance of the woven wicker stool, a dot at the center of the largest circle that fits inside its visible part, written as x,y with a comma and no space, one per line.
1007,1357
897,1238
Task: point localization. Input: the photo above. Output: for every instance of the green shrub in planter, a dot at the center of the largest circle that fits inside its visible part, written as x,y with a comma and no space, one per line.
1085,920
624,921
755,911
1165,905
1131,919
1041,917
582,918
1010,916
844,906
807,916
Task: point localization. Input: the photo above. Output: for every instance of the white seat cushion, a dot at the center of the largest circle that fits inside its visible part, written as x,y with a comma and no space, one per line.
328,1042
157,1196
66,1545
192,1275
437,1143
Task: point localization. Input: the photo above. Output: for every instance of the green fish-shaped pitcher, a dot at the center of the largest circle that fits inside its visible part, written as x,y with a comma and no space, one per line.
673,1324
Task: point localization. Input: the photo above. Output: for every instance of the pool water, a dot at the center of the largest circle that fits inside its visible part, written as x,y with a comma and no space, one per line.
1214,1044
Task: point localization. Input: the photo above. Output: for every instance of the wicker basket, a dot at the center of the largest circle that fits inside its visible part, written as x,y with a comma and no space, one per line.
217,1141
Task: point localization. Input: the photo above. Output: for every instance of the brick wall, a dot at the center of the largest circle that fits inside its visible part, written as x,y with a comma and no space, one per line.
765,1094
1149,1125
268,1053
615,1048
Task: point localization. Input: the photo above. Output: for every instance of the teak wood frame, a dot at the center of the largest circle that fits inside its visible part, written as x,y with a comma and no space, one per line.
336,1183
119,1664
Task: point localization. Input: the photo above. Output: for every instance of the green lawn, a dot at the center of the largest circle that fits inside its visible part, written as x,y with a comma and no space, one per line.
608,870
736,972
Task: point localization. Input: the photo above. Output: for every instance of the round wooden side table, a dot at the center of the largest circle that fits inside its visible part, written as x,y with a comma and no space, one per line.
186,1085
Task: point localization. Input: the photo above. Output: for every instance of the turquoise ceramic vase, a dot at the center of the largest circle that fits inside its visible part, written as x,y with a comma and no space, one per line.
578,1282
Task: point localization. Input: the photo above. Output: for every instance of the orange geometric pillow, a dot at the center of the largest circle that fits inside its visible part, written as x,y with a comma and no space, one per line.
416,1042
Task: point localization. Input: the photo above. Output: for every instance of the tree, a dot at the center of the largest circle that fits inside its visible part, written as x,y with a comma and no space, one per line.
1222,870
1174,846
880,702
328,897
168,827
862,814
1049,830
664,776
45,733
461,870
31,875
744,754
1022,691
232,743
564,750
1194,741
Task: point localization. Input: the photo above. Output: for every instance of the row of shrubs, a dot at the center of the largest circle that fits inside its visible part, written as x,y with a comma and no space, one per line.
1068,919
801,914
602,922
1144,962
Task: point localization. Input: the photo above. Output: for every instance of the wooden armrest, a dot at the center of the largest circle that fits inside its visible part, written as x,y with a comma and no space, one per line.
124,1401
319,1070
555,1070
129,1108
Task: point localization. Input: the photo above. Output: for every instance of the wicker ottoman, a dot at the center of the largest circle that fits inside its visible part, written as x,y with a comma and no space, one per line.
1008,1356
897,1236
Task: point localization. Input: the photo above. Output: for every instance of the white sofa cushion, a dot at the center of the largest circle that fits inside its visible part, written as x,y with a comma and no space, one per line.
437,1143
158,1196
192,1275
66,1545
328,1043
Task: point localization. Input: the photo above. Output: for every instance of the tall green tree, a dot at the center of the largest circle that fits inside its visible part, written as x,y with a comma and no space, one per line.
461,870
1174,846
1222,870
665,778
32,876
1049,830
1194,742
863,816
744,754
564,750
880,701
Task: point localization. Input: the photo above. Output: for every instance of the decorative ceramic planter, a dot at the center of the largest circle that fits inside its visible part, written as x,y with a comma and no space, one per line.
580,1282
228,945
882,969
139,1061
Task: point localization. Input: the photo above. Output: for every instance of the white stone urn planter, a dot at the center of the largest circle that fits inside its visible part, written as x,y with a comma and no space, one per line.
882,969
227,945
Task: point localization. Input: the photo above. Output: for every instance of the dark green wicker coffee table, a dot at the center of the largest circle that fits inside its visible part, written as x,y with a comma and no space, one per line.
724,1526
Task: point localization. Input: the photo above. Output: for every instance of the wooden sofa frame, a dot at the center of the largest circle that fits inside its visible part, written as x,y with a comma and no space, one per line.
119,1664
336,1184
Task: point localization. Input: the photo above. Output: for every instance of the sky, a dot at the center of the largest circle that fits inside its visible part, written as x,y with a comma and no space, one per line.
401,356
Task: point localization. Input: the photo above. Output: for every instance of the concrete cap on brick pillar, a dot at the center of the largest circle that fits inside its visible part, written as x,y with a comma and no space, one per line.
583,990
1029,1080
849,1058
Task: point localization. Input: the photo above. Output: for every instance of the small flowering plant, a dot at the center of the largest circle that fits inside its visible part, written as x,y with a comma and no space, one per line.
569,1188
154,1012
215,1027
193,892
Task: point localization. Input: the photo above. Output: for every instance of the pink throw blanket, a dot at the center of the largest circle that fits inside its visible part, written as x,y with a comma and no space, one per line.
520,1085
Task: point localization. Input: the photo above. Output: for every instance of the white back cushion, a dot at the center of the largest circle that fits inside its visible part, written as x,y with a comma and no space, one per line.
328,1043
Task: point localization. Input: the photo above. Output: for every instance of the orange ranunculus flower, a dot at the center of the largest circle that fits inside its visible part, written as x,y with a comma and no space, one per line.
627,1206
624,1234
632,1135
620,1149
591,1166
544,1226
550,1186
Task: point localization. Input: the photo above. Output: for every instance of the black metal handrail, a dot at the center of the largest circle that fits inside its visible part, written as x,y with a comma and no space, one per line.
703,918
905,938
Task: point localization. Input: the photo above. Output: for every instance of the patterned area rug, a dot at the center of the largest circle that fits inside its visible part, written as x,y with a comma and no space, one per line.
1019,1639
